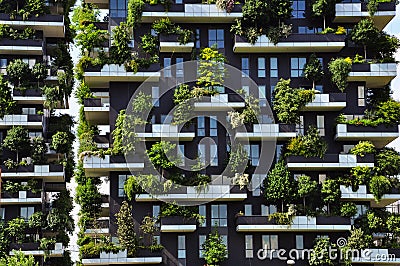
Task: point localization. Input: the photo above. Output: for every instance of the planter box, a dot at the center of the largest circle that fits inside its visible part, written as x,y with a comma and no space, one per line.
178,220
42,18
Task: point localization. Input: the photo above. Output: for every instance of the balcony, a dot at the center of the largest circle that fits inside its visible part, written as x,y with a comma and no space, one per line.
377,256
96,166
33,249
121,258
268,132
300,224
21,197
21,47
101,4
167,131
295,43
220,102
100,227
100,77
51,25
170,44
102,141
190,194
97,110
363,194
354,12
178,224
329,162
28,121
327,102
380,135
49,173
192,13
29,96
374,75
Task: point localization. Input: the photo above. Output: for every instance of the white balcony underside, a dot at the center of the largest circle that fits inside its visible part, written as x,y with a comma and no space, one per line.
21,50
362,195
15,201
325,166
292,228
29,99
178,228
287,47
123,261
171,47
50,29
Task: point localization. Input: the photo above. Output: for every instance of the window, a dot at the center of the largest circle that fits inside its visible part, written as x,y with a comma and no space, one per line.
157,240
181,154
156,211
321,124
299,242
213,126
261,67
121,182
270,242
26,212
203,213
3,66
33,135
213,154
182,249
201,127
253,151
246,90
216,37
2,214
178,2
278,152
202,239
118,8
245,67
219,215
361,95
155,95
299,8
248,246
179,67
308,30
29,111
273,61
262,95
248,210
268,209
256,179
201,153
198,41
296,66
321,178
300,126
167,67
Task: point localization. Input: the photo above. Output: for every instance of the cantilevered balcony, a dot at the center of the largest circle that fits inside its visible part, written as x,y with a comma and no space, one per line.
295,43
354,12
329,162
220,102
21,47
29,96
327,102
96,166
56,250
380,135
51,25
97,110
28,121
375,75
192,13
363,194
268,132
299,224
167,131
143,257
100,77
49,173
101,4
21,197
171,44
100,227
178,224
375,256
190,194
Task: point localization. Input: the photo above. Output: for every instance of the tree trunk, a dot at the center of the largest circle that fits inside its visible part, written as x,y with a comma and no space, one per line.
324,22
304,203
282,206
365,51
313,84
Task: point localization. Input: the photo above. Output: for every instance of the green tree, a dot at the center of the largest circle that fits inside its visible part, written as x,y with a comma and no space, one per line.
358,239
39,72
163,155
211,69
364,33
379,185
6,102
16,229
35,7
340,69
36,221
90,37
309,145
89,198
330,192
135,9
321,254
17,140
387,162
83,15
62,142
18,73
348,209
126,229
279,185
323,8
214,249
313,70
306,187
120,51
19,259
388,112
393,224
287,101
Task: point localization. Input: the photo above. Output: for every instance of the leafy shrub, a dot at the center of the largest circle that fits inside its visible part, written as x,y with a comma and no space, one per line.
348,209
379,185
309,145
214,249
362,148
340,69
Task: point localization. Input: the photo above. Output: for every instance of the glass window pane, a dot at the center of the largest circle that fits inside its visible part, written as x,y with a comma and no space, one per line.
223,211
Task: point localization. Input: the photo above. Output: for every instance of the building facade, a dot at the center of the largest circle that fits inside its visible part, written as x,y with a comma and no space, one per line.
247,219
